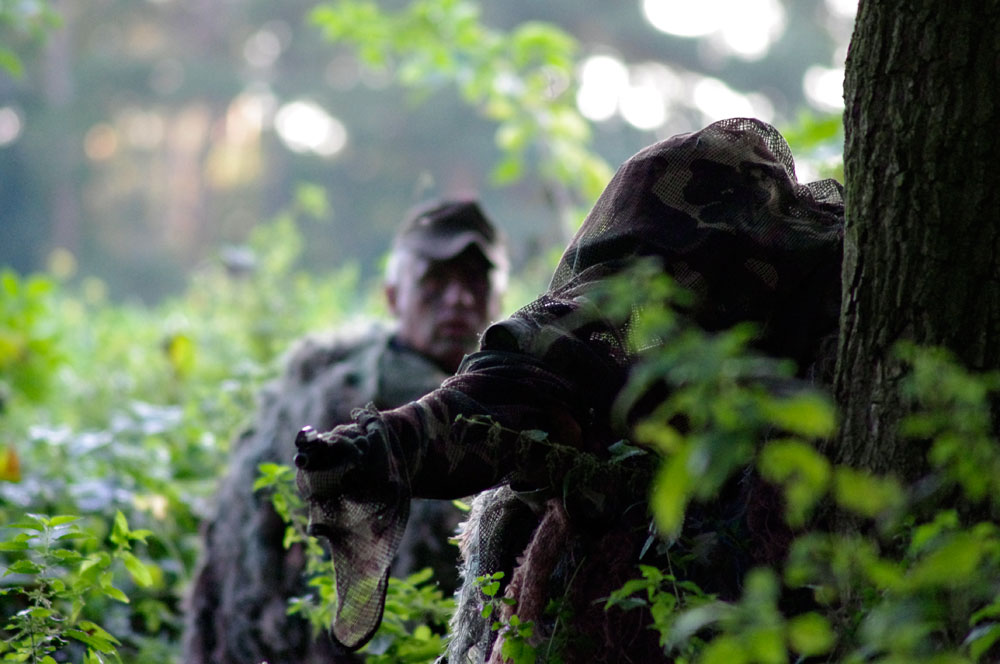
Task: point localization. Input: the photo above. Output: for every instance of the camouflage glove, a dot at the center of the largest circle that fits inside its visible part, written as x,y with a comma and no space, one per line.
359,501
329,465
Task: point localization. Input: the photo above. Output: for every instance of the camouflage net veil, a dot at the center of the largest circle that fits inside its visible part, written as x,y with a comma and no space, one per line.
720,209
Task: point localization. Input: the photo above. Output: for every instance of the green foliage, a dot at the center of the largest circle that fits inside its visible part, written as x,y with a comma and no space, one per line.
954,414
721,399
59,568
416,611
29,350
514,634
120,414
678,608
415,623
521,80
907,589
318,608
818,139
20,23
916,577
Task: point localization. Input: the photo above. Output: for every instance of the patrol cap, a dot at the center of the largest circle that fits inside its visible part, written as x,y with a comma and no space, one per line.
441,230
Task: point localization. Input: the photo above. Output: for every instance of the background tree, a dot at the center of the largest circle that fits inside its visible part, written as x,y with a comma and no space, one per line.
922,251
179,126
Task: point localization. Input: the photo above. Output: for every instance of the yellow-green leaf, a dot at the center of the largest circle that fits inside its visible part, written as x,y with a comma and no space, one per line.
866,494
808,414
810,634
138,570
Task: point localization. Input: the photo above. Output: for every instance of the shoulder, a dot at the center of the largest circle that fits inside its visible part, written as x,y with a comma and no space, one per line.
313,354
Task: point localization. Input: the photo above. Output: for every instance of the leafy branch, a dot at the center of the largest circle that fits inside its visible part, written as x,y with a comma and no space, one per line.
55,578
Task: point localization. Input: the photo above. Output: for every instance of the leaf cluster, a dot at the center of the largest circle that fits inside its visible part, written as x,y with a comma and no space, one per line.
122,411
522,80
889,572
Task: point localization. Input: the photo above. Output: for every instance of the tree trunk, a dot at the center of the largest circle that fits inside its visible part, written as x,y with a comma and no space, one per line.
922,247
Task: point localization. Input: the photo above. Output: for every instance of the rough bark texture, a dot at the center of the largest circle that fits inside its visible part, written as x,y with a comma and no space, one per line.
922,247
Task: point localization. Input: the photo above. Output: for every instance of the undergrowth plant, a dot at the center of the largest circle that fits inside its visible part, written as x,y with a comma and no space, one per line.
59,568
878,571
111,409
416,613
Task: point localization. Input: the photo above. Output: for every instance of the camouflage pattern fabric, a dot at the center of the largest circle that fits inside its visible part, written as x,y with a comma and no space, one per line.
722,212
237,605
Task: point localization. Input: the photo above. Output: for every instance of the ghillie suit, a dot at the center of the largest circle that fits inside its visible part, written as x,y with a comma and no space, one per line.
238,603
722,213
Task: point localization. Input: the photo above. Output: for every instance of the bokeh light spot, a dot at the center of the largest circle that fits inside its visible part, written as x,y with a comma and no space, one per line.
683,18
745,28
304,126
602,80
62,263
643,107
100,142
824,88
843,8
10,125
718,101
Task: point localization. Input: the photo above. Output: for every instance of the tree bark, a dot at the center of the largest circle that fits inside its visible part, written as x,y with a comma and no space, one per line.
922,246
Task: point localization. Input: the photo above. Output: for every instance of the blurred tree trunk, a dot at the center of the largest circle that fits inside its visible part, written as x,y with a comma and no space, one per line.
922,251
59,94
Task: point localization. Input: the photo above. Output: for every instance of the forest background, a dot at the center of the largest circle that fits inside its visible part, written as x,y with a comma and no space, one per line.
187,187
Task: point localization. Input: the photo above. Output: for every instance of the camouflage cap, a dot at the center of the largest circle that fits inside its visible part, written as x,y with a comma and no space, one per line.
441,230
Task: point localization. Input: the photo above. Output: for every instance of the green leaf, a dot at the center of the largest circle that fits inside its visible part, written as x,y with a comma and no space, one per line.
67,556
866,494
115,593
40,612
312,200
62,519
507,171
952,565
119,531
671,492
10,62
988,611
140,573
94,636
95,562
808,414
804,472
30,522
810,634
140,535
767,645
724,650
23,567
981,639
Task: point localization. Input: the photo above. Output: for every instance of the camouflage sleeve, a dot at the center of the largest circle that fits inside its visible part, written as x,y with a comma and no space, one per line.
462,438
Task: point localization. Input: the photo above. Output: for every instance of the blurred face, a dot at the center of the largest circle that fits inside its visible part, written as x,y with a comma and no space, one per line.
443,306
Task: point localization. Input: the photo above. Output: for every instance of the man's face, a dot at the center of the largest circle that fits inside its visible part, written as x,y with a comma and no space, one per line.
442,306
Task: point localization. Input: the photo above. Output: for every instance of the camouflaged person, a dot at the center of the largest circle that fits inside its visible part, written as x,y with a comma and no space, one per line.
445,274
566,517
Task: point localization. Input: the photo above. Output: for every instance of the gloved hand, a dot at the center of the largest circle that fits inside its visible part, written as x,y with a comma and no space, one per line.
329,466
330,450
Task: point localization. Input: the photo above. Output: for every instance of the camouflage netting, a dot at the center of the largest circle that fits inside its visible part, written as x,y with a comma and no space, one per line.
237,608
723,213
